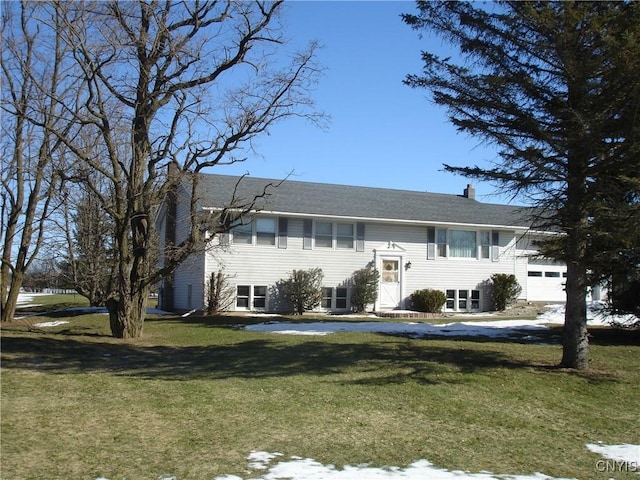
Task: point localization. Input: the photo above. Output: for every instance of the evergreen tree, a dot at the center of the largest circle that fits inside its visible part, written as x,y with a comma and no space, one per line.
556,87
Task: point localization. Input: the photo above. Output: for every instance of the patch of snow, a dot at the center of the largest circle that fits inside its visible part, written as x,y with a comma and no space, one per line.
553,315
50,324
627,453
597,315
261,460
298,468
495,329
308,469
28,298
25,298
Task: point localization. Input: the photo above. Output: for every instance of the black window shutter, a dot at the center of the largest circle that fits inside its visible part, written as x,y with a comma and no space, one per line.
307,233
431,243
495,245
360,237
283,226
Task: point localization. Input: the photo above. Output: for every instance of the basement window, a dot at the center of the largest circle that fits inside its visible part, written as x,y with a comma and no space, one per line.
259,296
242,296
327,297
341,297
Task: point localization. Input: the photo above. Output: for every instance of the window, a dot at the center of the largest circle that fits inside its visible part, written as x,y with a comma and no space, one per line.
534,274
451,300
344,237
327,297
242,296
485,244
266,231
462,244
390,271
242,233
441,240
341,297
475,299
259,297
552,274
462,299
324,234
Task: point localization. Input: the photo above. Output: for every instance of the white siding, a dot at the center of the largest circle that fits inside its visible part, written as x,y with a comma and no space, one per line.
191,272
264,265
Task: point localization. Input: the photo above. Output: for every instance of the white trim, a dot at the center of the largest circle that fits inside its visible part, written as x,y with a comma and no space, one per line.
392,251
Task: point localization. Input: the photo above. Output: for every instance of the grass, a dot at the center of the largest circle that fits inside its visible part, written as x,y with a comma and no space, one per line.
195,395
48,303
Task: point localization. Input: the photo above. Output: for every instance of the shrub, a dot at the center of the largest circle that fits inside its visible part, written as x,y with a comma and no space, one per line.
365,288
504,290
428,300
219,293
624,296
303,289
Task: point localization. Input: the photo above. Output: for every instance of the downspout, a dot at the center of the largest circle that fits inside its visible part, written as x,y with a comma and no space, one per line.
375,262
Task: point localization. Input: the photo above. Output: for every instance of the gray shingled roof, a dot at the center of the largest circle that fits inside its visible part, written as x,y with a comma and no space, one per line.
307,198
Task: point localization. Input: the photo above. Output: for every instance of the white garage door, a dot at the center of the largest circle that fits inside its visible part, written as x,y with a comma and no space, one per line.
545,283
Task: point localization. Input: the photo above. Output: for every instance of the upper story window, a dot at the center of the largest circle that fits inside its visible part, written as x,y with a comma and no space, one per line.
243,233
485,244
482,244
339,235
324,234
344,238
462,244
264,230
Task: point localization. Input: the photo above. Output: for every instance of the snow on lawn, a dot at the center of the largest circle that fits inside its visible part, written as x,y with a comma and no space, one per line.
597,314
495,328
500,328
49,324
298,468
626,454
25,299
272,466
28,299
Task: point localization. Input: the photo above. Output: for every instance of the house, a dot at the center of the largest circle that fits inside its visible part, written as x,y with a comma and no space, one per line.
416,240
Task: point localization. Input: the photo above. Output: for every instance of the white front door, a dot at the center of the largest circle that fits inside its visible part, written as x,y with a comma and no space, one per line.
390,278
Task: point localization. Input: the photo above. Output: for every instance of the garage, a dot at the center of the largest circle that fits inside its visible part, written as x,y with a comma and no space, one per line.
545,282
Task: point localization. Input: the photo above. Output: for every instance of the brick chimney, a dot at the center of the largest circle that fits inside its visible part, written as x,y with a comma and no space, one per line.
470,192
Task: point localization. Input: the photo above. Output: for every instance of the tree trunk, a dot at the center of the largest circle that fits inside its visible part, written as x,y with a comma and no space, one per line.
575,340
126,314
11,301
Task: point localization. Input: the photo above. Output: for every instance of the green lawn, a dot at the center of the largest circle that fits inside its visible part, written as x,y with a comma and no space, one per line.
195,396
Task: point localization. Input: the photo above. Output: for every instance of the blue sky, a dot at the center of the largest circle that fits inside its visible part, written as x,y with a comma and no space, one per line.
382,133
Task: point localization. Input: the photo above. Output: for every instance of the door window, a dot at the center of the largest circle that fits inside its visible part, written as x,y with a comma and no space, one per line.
390,271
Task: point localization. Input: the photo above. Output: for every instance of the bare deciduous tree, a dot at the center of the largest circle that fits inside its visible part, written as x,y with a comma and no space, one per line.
34,84
193,83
